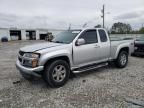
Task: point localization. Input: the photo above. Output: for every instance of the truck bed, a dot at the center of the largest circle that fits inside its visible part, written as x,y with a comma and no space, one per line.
115,43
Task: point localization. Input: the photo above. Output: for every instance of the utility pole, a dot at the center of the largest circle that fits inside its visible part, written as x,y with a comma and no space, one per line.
103,15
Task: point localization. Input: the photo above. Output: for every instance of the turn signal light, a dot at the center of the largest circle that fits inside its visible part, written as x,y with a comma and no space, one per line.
34,63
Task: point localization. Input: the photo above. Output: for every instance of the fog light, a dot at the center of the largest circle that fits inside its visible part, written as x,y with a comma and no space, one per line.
34,63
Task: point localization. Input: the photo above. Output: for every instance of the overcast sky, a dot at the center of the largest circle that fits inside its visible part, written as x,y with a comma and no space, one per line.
60,13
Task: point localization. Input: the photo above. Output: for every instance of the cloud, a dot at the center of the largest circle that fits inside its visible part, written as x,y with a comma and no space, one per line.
130,15
11,20
7,17
44,21
60,13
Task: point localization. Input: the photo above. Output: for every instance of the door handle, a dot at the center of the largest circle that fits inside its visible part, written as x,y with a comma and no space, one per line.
96,46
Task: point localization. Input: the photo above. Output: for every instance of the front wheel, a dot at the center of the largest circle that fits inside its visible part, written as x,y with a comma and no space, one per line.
122,59
56,73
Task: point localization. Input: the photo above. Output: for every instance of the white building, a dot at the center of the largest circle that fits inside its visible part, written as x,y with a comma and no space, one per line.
26,34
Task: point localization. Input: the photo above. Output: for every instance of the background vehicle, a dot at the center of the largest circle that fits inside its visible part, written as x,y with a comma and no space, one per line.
72,51
4,39
139,46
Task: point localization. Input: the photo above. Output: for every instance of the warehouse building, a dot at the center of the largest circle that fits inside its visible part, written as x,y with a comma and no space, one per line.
26,34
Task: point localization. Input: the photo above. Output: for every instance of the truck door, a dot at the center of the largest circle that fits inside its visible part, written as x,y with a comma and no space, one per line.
89,51
104,44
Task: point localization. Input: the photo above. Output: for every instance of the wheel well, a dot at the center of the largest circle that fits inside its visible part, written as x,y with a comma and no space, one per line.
65,58
125,49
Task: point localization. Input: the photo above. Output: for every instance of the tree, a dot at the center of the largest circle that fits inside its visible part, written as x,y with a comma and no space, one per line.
121,28
98,26
141,30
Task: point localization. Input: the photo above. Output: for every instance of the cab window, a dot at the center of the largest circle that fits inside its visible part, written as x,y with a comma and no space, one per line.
90,36
103,36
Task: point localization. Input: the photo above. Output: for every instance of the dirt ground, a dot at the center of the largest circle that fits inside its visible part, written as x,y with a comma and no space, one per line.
107,87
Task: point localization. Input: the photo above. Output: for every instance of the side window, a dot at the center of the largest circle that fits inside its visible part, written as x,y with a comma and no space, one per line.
102,35
89,36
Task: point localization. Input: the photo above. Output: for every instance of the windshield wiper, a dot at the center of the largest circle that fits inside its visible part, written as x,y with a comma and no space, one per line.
57,41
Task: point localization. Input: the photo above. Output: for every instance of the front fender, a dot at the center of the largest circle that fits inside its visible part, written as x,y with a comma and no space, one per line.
47,56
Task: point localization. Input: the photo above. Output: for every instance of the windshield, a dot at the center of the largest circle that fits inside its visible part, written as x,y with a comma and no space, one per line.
66,36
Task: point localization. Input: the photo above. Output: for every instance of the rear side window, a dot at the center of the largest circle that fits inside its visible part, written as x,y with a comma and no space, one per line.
89,36
103,36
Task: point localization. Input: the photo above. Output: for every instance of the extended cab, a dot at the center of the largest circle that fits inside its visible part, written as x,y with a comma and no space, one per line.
72,51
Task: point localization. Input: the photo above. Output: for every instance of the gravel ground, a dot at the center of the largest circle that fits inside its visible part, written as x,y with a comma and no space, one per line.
107,87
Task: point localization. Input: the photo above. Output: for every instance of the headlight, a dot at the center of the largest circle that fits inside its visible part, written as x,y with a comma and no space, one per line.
32,55
33,61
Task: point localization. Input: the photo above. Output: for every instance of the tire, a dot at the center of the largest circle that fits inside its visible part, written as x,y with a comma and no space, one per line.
122,59
27,76
57,73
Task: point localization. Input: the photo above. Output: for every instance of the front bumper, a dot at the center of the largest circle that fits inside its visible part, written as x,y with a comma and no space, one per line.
30,71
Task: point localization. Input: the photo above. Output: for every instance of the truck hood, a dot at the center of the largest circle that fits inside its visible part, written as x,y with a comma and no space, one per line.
40,46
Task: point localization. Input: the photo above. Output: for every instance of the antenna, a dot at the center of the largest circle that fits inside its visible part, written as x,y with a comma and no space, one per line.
85,24
69,28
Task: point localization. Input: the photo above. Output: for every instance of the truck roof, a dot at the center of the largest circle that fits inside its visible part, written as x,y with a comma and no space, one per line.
85,29
92,28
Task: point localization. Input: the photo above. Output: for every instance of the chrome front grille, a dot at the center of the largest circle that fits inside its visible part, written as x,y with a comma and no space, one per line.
24,61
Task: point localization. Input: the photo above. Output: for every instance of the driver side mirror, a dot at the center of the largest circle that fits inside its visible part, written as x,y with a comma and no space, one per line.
80,41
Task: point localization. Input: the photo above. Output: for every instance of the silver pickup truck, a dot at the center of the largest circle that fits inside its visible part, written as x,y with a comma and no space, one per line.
72,51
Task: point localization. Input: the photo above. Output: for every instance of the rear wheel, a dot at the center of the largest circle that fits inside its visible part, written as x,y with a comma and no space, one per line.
122,59
56,73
